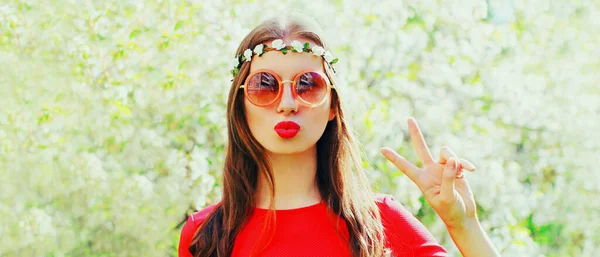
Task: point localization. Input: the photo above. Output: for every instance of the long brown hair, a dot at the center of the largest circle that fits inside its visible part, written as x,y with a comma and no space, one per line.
341,181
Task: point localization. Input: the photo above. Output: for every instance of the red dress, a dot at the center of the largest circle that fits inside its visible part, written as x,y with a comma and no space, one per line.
307,231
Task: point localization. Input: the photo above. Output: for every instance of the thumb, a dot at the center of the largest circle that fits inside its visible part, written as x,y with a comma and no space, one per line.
448,178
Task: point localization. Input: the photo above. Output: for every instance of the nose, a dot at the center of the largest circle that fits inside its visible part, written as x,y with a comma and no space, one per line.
287,103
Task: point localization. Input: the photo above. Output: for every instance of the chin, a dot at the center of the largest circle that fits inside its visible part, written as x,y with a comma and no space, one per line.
287,147
293,145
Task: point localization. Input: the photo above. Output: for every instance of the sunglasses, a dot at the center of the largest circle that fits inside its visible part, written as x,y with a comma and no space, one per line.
264,87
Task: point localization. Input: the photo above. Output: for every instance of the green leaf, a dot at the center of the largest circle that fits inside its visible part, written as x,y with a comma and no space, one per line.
306,47
413,71
134,33
44,117
334,61
178,25
284,50
119,54
169,84
123,110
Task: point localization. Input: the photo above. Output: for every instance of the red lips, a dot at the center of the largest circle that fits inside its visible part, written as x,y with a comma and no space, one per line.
287,129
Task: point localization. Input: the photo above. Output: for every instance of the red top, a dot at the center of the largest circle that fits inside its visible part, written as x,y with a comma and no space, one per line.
307,231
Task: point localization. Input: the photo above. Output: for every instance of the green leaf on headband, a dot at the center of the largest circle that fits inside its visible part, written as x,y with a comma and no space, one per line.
334,61
305,48
284,50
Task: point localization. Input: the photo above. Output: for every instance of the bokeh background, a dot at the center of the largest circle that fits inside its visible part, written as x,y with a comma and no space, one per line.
112,114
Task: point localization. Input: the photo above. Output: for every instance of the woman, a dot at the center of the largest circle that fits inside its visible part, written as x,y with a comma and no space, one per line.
292,179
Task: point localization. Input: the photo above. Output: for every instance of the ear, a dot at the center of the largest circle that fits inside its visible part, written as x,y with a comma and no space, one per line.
332,107
331,113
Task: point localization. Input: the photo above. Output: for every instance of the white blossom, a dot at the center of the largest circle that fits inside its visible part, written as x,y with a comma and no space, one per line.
248,55
277,44
258,49
328,56
317,50
296,45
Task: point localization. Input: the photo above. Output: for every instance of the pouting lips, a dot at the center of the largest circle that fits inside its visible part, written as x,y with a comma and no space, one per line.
287,125
287,129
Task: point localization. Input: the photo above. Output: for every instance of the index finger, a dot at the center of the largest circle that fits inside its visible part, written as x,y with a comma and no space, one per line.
418,142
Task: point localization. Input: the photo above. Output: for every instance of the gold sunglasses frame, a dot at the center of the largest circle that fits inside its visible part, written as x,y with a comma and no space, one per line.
293,84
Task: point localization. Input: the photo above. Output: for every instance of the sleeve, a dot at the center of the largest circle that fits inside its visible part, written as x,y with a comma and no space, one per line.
187,233
406,235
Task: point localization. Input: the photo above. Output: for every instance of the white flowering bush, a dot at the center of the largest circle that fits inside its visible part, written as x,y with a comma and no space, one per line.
112,118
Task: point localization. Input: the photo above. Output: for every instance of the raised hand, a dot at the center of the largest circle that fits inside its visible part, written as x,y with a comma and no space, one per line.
443,183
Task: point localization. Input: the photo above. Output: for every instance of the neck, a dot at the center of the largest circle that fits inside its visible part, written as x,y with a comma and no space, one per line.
295,181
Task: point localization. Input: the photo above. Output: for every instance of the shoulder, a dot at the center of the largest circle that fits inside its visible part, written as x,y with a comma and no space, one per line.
199,216
393,214
382,198
389,206
189,228
404,232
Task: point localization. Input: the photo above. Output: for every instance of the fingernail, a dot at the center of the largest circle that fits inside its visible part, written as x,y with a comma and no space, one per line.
384,152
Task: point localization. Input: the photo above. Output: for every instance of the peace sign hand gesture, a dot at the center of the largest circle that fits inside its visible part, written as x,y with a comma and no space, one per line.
442,183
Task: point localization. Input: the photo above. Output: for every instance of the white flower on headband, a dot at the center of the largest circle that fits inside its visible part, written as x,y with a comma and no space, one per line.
277,44
296,45
259,49
317,50
328,56
248,55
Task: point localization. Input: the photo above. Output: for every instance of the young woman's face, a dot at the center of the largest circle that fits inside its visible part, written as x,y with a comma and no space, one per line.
262,120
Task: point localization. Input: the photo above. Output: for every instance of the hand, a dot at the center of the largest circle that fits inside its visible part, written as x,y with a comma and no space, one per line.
443,184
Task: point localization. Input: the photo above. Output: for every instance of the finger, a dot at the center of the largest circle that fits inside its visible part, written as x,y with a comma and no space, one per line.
447,190
418,142
409,169
445,154
467,165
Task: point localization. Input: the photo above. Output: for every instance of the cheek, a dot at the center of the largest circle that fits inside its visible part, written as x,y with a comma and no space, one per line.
320,115
250,113
255,116
326,109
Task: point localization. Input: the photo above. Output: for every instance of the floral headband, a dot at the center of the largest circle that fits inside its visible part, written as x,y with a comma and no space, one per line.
278,45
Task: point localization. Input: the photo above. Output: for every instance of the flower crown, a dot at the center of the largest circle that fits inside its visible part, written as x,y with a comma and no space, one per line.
278,45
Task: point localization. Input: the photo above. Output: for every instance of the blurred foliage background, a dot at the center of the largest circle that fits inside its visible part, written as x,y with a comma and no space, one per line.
112,114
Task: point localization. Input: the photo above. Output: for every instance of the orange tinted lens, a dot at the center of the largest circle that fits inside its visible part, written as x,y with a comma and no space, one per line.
262,88
311,87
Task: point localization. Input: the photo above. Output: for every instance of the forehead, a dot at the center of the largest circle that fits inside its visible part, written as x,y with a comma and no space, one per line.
289,64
